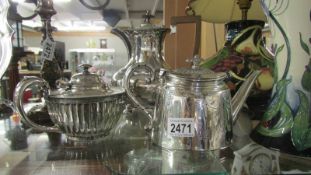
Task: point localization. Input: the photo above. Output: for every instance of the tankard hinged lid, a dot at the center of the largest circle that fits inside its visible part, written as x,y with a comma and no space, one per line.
196,73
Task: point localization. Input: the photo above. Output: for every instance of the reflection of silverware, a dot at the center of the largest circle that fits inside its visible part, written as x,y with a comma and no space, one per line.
255,159
163,161
132,125
7,108
84,109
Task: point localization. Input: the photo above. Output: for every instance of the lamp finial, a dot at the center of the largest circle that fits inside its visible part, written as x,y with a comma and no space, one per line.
244,6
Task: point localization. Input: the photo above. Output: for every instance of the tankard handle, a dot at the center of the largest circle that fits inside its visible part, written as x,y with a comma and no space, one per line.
126,83
18,100
190,19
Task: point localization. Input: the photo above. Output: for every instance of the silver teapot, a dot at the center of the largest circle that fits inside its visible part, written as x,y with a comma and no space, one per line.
194,110
84,108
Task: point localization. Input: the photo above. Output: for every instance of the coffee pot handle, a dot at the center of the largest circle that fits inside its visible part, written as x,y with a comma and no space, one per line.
18,100
126,83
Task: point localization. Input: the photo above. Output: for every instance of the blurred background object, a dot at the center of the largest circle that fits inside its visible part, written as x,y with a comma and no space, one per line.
244,49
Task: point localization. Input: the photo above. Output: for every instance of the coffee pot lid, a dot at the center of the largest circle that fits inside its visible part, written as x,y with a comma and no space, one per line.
197,73
84,85
147,26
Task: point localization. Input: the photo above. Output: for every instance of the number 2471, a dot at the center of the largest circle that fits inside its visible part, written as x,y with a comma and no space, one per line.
180,128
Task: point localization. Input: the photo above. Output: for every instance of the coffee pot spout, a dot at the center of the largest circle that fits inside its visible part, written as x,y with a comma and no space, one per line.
118,76
125,38
243,92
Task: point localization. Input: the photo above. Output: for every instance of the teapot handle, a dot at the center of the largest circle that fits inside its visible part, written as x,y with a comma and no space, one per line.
126,83
18,100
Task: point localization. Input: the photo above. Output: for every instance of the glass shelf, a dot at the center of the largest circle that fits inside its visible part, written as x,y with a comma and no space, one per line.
52,154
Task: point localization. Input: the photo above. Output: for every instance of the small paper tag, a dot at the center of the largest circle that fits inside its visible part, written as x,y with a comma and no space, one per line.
180,127
48,48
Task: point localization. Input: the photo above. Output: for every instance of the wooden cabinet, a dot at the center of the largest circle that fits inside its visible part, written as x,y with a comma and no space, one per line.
179,46
212,38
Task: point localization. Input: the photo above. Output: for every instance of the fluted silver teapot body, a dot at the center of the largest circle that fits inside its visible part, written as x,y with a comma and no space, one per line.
84,109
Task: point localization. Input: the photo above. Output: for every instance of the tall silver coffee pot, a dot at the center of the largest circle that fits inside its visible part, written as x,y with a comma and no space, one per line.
139,76
194,109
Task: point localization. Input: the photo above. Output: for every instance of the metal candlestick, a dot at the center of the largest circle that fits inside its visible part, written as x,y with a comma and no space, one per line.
50,71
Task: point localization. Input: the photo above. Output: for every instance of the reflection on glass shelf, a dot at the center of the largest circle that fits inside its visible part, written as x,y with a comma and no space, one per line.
163,161
117,156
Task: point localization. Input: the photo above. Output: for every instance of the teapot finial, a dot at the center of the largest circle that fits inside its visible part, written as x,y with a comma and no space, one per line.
196,60
147,17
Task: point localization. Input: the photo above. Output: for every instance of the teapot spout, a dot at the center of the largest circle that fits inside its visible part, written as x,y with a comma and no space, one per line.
243,92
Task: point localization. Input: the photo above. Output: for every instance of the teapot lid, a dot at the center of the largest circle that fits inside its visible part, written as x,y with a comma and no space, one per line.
84,85
86,80
196,73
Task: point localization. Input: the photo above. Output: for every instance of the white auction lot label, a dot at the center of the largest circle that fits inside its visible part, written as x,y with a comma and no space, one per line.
180,127
48,48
